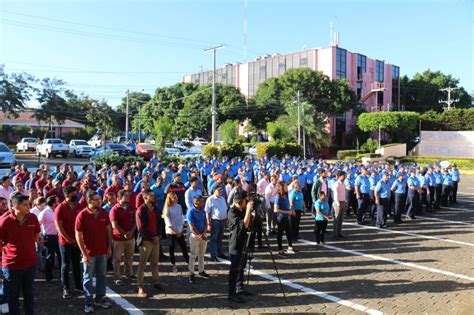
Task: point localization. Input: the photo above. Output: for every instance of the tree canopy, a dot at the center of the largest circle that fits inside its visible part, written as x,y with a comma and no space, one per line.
400,126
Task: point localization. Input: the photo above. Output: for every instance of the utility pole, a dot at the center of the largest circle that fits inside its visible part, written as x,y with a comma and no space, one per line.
299,119
304,137
126,118
139,123
213,105
449,102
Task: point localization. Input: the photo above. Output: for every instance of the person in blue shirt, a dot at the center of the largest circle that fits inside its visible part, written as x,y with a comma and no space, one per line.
446,188
159,191
456,178
438,187
321,217
413,195
296,203
198,224
362,189
351,200
430,183
420,175
399,188
283,212
382,195
373,181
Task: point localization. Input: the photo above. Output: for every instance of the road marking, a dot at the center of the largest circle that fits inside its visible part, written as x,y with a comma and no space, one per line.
457,209
409,233
317,293
443,220
123,303
393,261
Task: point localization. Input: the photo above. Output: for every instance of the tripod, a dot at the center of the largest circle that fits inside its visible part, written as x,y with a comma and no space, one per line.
248,251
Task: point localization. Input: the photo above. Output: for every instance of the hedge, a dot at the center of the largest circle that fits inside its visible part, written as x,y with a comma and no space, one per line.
461,163
110,159
278,149
230,150
343,154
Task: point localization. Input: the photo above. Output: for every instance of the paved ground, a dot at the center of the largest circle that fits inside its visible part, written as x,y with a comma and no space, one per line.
424,266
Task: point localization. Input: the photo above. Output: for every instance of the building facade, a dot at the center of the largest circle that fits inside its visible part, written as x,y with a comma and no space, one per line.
376,83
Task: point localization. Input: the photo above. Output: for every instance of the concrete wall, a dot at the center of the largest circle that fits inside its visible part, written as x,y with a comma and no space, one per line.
398,150
446,143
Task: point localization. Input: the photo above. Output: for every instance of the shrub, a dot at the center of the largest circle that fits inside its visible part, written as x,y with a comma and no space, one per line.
278,149
210,150
116,160
231,150
461,163
345,154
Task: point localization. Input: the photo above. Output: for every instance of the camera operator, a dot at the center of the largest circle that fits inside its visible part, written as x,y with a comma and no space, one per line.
239,218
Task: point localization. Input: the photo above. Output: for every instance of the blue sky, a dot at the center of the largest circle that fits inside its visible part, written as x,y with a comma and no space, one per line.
103,47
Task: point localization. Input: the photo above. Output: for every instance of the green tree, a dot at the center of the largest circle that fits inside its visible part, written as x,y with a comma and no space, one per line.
195,117
400,126
279,131
53,105
265,106
104,118
422,92
229,131
15,91
135,101
163,131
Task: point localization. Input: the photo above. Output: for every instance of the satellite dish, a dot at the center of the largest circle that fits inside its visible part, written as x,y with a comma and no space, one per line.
444,164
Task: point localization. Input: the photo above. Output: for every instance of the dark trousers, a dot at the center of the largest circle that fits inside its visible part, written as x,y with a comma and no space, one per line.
454,192
430,197
71,254
363,205
320,230
437,196
236,273
372,206
351,202
295,224
182,243
423,199
399,205
15,281
307,197
51,247
413,201
446,190
383,209
284,225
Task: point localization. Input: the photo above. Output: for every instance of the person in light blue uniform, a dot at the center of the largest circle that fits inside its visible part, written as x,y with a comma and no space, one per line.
399,188
446,189
321,217
382,195
373,181
438,187
413,195
351,200
456,178
362,189
430,183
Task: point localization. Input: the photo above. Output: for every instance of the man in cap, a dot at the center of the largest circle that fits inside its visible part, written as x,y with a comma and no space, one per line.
456,178
216,213
362,189
382,199
399,188
413,195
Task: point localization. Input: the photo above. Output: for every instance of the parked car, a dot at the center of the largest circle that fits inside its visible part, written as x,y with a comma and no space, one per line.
7,158
183,145
172,151
52,147
95,141
27,144
253,149
111,148
79,148
200,142
145,150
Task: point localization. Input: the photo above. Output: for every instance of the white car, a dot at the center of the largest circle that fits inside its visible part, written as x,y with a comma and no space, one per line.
200,142
52,147
172,151
79,148
95,141
7,159
27,144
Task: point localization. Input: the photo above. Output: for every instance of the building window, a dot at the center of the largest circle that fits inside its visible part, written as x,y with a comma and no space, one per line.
379,71
341,63
263,72
361,66
395,72
359,90
304,62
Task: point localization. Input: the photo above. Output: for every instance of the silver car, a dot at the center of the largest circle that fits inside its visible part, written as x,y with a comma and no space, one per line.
7,158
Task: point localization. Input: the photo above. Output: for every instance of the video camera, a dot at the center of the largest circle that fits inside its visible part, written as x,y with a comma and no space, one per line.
258,204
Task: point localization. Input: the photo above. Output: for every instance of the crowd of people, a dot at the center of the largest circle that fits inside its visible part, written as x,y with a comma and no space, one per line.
94,220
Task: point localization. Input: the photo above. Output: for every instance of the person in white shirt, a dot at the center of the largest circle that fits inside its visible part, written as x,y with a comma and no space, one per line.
262,184
339,203
6,189
49,234
270,194
216,213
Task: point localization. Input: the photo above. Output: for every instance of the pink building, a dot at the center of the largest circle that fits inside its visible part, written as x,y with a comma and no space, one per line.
376,83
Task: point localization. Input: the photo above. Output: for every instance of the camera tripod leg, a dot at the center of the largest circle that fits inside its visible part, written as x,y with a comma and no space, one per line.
274,264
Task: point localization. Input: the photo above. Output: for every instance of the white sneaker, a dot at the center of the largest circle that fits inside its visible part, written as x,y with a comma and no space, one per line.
4,309
290,251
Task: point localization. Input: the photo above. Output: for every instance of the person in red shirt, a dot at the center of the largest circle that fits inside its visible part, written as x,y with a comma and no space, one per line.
65,217
139,200
132,195
115,187
19,230
56,191
41,182
70,179
94,237
122,216
148,240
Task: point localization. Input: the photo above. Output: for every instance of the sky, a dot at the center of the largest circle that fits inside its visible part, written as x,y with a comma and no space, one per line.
104,47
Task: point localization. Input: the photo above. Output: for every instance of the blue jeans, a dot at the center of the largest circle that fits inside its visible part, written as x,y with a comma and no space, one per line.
98,268
217,235
13,282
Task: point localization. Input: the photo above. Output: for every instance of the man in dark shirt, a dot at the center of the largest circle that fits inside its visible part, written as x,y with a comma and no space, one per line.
179,189
239,218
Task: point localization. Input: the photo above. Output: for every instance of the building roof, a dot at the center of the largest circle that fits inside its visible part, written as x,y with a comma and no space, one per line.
25,119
